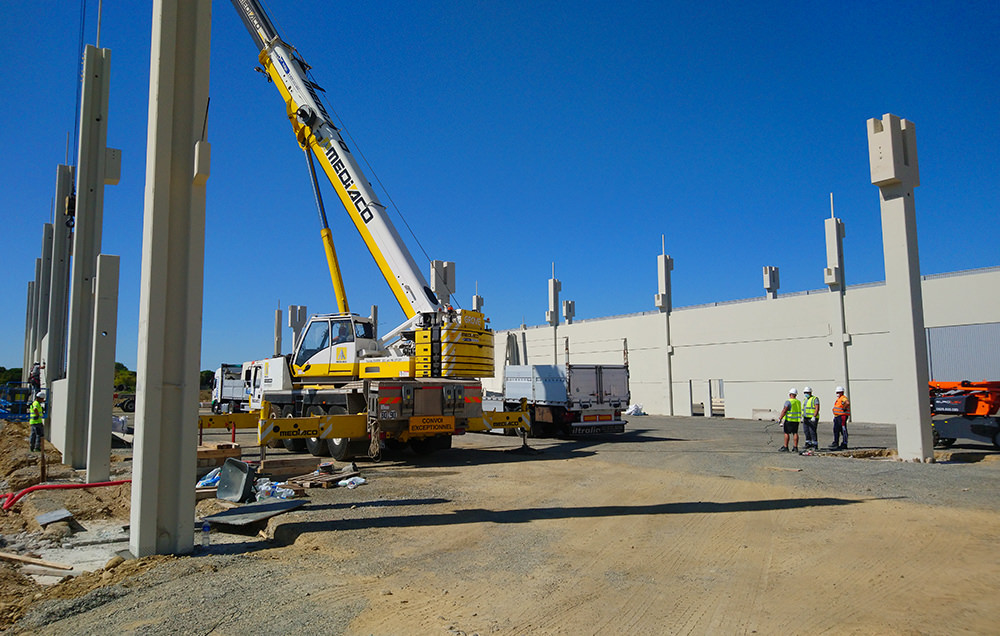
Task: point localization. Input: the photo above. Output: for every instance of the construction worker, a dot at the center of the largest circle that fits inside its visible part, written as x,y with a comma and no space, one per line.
35,377
36,414
810,417
792,416
841,413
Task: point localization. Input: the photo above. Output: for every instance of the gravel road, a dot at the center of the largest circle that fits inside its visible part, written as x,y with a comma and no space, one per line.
681,525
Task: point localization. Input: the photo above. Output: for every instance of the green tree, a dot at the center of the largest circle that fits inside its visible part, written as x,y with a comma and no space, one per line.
206,380
124,379
10,375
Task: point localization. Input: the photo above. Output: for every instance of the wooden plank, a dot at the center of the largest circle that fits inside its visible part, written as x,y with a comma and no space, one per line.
9,556
205,493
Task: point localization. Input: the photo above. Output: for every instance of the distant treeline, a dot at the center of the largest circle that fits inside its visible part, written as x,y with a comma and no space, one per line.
124,379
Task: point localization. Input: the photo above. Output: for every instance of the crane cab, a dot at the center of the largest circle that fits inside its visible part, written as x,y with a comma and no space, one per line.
333,345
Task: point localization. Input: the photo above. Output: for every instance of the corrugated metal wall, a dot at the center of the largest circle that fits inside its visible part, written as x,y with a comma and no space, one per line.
964,352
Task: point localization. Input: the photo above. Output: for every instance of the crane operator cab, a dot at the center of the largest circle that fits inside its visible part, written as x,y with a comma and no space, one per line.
334,345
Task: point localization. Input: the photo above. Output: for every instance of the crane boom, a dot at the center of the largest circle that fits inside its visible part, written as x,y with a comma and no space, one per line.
315,132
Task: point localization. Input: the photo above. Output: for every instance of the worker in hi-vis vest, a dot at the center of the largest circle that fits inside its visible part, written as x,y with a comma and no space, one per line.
810,417
841,413
792,416
36,420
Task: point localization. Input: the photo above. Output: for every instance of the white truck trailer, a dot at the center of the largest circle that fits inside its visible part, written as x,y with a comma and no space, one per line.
228,391
570,399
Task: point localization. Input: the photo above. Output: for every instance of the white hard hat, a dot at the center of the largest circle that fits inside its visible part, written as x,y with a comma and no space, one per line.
839,389
807,390
41,394
792,391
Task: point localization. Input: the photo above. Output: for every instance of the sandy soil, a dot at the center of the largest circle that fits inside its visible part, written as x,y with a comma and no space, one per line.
586,539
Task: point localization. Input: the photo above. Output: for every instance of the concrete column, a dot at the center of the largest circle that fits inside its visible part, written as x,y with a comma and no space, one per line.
44,282
296,321
771,282
569,311
664,302
103,369
708,398
173,261
892,152
35,301
277,333
833,276
97,166
443,280
552,315
55,365
29,305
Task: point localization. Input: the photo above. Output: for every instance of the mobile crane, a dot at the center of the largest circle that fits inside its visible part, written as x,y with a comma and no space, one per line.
420,382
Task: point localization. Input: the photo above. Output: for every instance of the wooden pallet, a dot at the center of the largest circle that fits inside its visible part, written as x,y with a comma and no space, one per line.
317,479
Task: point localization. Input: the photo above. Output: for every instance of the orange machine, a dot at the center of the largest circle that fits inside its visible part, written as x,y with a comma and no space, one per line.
965,409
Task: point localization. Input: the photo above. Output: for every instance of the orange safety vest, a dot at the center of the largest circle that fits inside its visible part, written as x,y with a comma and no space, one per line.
842,406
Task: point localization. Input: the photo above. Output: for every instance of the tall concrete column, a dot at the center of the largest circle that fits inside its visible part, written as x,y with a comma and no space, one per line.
29,306
55,365
552,315
103,369
833,276
664,302
44,290
173,263
97,166
35,302
277,333
297,315
892,152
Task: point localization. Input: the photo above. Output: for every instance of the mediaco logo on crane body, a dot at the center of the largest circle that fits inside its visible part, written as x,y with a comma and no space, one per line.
340,167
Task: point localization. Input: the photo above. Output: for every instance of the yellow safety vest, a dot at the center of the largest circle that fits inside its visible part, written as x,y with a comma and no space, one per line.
35,413
812,407
794,413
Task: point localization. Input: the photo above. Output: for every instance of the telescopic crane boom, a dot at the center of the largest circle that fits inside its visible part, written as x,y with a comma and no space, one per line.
316,133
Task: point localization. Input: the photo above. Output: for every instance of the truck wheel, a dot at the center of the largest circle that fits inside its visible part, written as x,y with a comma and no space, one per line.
316,446
129,406
423,445
216,409
292,445
340,447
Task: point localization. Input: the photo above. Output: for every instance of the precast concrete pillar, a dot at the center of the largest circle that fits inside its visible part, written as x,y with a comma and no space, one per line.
44,293
443,280
892,152
103,369
296,321
833,276
664,302
771,282
277,333
552,315
173,262
29,305
35,302
569,311
55,365
708,398
97,166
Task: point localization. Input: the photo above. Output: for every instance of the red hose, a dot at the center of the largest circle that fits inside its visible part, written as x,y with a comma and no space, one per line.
12,498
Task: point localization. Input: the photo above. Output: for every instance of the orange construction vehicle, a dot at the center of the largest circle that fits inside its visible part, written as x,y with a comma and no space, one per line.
965,409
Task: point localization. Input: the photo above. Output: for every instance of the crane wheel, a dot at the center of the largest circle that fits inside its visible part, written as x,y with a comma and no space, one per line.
292,445
316,446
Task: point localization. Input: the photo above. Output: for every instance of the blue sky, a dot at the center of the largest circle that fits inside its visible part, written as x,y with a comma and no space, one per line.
512,135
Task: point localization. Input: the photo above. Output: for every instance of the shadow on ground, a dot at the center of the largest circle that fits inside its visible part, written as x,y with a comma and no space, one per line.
287,533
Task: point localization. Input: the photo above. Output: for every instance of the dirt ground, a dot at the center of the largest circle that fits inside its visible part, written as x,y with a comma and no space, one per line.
677,527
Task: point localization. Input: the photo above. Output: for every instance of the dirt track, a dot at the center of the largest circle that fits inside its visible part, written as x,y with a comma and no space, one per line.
682,526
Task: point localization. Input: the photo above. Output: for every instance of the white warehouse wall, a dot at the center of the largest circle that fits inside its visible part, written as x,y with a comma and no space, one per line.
761,347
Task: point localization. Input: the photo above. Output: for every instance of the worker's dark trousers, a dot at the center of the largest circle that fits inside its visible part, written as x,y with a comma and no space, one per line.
810,425
37,435
839,428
